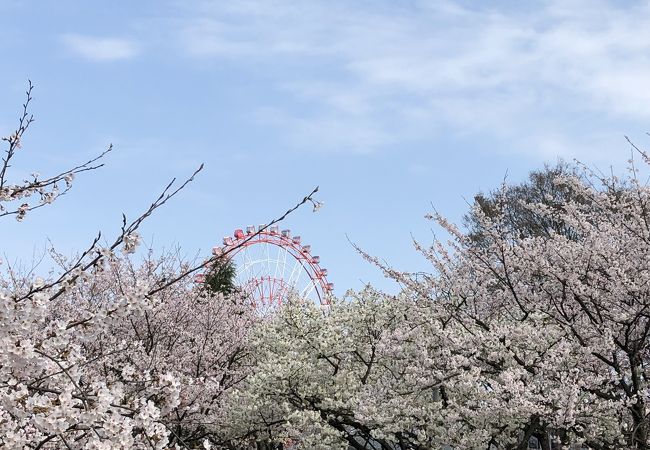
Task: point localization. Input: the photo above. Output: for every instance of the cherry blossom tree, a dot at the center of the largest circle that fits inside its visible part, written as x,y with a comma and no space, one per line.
590,293
382,372
563,317
109,353
365,375
526,336
48,398
190,336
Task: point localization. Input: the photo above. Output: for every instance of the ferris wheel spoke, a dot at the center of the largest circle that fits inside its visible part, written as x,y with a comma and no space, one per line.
246,260
279,273
241,268
267,259
308,289
286,264
295,273
278,250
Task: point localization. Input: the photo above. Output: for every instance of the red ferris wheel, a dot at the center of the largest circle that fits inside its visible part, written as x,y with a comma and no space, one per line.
272,265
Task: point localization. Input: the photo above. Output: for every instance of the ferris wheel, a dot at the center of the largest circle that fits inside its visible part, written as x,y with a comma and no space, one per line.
271,266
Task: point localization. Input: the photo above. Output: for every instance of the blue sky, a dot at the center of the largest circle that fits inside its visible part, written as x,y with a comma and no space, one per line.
390,107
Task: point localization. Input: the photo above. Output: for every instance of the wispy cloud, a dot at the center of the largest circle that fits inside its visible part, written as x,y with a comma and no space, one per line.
529,76
100,49
326,131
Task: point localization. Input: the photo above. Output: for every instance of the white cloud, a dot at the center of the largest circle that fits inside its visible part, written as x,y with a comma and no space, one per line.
531,76
100,49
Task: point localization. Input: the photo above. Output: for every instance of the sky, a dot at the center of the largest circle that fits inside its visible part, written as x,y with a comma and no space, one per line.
392,108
